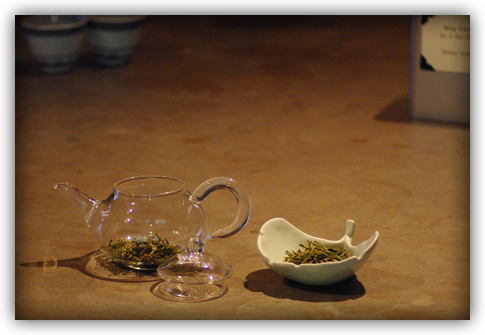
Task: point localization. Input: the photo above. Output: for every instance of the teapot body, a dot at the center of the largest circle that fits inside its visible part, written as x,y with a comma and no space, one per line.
139,214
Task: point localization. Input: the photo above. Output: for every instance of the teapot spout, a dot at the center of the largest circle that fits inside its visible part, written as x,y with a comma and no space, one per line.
81,200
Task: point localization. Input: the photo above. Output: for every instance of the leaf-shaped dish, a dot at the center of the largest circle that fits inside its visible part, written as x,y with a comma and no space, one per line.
277,236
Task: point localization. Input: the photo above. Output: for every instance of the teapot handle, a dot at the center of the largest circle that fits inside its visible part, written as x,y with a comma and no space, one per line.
242,197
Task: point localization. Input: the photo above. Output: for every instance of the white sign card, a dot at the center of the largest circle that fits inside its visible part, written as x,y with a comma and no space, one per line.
440,68
445,43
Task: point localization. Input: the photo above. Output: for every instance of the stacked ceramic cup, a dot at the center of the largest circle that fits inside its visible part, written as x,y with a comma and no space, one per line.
114,38
56,40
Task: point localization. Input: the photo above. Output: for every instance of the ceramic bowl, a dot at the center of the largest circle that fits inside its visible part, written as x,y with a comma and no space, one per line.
114,38
278,236
55,40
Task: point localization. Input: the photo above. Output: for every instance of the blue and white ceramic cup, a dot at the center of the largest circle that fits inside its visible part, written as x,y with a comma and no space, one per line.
55,40
114,38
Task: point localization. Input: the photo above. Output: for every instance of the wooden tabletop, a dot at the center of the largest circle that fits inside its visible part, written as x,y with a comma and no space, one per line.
308,113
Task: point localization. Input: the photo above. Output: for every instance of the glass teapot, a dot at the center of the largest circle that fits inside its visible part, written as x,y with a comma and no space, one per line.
148,219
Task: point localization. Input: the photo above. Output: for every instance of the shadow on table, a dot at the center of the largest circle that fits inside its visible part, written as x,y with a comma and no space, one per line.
31,68
397,111
97,265
274,285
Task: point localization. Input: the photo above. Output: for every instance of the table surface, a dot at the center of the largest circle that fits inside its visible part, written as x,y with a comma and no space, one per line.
308,113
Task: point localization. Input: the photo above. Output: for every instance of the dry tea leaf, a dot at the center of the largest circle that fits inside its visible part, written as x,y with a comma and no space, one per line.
153,250
315,253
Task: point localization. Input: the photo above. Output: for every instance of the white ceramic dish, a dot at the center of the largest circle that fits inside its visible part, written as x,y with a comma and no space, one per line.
278,235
